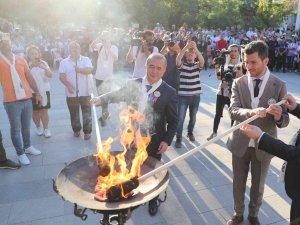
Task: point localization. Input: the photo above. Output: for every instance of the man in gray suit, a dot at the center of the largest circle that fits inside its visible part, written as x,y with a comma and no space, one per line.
251,94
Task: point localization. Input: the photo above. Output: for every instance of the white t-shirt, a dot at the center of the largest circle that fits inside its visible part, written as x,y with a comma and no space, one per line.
67,66
105,62
140,61
40,78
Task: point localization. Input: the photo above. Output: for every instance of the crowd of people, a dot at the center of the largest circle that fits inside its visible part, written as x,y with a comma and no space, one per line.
166,82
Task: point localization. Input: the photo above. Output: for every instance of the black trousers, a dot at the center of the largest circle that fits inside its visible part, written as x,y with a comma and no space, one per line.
221,102
295,214
74,105
281,62
103,86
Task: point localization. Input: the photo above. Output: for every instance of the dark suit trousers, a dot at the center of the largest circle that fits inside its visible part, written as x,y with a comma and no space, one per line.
295,214
259,170
74,105
103,86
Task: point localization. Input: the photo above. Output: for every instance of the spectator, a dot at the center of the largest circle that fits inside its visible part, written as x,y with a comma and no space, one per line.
139,53
73,73
16,82
107,55
189,88
41,73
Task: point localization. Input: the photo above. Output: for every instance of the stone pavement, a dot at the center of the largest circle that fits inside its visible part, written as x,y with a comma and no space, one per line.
200,188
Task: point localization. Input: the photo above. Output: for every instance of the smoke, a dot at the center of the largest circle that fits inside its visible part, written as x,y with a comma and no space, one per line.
130,96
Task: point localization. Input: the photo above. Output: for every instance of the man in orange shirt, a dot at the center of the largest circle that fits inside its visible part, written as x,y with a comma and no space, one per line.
17,83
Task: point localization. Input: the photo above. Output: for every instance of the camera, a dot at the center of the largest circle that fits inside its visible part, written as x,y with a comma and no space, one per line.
136,38
228,75
169,39
220,60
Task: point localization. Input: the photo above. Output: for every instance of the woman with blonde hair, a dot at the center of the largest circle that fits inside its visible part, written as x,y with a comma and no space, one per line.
41,73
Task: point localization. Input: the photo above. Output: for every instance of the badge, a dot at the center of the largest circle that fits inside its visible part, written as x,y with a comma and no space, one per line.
271,101
156,94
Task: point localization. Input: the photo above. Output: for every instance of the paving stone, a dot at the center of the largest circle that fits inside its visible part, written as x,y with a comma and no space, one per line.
24,211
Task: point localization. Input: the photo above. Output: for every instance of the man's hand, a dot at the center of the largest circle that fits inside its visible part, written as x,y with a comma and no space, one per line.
251,131
291,103
77,69
162,147
71,89
38,99
96,101
260,112
275,110
224,85
188,45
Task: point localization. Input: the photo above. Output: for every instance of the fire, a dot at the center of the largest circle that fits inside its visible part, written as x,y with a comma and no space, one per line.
130,139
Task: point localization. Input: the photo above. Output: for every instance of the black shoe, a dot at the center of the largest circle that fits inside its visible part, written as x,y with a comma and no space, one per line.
103,119
253,220
102,122
178,143
191,137
153,207
9,164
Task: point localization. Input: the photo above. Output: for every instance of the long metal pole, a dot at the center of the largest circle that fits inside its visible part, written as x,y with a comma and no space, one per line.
194,150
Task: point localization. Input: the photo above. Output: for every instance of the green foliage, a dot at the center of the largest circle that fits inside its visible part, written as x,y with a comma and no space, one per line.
269,13
195,13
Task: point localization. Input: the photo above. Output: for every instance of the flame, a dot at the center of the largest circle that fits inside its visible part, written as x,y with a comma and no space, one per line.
130,139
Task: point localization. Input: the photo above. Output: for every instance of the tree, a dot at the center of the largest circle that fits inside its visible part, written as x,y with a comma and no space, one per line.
270,13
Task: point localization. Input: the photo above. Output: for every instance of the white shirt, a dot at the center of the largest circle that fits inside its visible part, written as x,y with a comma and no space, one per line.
105,62
40,78
140,61
67,66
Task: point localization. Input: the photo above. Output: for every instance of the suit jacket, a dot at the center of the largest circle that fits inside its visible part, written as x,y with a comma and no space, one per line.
161,115
289,153
241,104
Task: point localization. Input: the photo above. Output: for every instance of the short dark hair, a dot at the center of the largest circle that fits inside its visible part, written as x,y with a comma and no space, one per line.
147,33
257,46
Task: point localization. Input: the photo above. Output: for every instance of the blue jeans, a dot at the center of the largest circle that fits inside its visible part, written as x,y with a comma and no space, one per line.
185,102
19,114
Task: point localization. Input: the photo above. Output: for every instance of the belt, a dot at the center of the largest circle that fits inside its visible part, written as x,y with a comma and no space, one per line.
22,100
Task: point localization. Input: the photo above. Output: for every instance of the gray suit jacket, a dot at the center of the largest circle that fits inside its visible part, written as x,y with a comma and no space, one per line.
241,104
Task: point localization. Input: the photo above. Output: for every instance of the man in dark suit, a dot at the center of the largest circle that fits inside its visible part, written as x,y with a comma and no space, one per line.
257,89
158,101
289,153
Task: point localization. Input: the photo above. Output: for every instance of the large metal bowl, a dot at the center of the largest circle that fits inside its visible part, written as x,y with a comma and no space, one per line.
76,183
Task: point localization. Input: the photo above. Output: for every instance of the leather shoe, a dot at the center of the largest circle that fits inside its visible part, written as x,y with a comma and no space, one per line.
235,220
76,134
87,136
191,137
253,220
153,207
178,143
